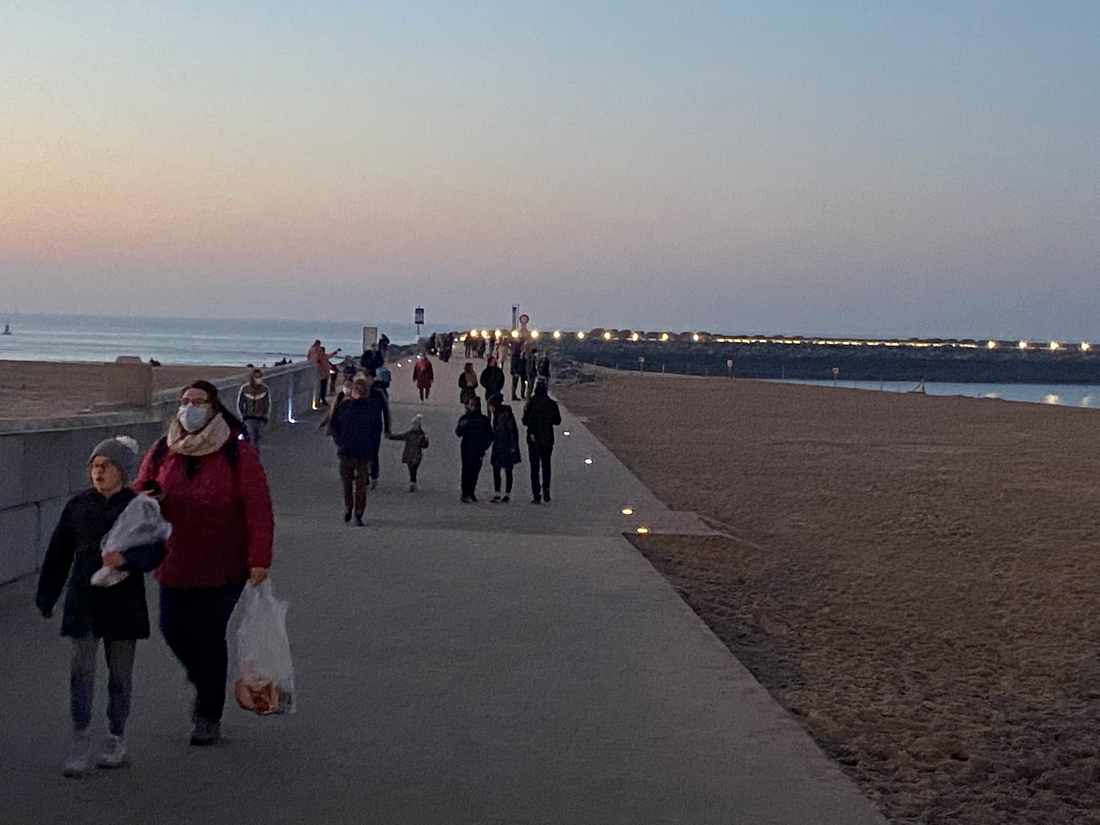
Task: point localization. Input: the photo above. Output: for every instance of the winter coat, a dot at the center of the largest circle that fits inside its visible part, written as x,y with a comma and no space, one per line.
357,426
219,507
75,553
476,433
540,416
492,379
415,444
515,361
423,374
466,389
254,402
505,438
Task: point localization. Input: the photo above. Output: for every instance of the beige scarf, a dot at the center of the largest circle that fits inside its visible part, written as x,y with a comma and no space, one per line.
209,439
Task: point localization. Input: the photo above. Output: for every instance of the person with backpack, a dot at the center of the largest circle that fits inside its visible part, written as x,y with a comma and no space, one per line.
540,416
115,615
213,491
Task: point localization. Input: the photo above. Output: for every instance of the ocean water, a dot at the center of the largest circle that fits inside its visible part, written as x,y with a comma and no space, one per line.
183,340
1070,395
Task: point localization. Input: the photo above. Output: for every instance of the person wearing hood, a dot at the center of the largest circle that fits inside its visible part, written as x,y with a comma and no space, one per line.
477,435
540,416
117,615
213,491
505,454
492,378
254,408
416,442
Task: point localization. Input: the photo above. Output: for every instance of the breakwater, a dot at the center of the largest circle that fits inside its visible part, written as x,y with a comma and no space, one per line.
1002,362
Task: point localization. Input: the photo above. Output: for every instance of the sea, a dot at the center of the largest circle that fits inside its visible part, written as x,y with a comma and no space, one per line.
208,341
1067,395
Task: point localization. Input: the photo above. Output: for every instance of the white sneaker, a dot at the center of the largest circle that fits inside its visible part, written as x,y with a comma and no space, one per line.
80,756
113,753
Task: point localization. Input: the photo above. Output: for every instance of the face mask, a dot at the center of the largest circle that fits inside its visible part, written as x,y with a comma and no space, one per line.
191,417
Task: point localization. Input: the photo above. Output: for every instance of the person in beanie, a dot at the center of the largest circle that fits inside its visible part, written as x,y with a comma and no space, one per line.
416,441
213,491
540,416
118,616
254,407
505,454
477,435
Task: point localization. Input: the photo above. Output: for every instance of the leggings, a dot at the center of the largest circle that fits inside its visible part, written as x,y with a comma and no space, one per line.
193,621
507,479
120,669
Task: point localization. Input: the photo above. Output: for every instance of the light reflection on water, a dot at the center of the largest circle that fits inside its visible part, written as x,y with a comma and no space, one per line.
1066,395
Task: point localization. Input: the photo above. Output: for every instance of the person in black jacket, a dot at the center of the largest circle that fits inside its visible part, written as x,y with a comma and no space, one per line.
540,416
505,454
116,614
477,434
492,379
515,367
357,426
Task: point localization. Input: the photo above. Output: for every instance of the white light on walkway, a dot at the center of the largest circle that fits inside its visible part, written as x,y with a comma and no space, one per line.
642,531
588,461
628,511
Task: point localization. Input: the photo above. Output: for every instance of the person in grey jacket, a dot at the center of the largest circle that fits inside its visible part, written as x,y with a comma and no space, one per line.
254,406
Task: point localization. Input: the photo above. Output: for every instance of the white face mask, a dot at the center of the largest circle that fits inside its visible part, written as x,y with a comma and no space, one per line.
191,417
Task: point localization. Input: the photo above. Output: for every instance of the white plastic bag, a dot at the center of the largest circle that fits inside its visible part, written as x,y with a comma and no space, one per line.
140,523
265,683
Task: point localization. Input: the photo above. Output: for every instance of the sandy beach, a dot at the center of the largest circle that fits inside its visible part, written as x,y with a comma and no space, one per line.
48,389
913,577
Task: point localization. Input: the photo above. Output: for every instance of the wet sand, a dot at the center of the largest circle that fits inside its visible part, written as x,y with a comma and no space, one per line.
914,577
46,389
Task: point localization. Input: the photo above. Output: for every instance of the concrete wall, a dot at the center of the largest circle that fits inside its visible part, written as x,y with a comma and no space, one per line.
44,462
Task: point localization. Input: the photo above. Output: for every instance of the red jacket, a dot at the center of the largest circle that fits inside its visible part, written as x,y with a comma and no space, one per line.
423,374
222,522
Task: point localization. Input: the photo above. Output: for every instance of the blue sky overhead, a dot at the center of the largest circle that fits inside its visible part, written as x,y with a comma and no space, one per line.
829,167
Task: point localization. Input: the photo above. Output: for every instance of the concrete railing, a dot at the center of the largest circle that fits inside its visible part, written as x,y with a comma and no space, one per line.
44,462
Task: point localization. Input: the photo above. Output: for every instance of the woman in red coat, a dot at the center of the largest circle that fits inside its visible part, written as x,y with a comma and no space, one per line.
214,492
423,376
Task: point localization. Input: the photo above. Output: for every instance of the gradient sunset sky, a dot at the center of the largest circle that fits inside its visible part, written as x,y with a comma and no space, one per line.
859,168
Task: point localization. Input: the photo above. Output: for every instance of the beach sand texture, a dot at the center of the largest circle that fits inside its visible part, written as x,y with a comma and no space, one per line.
914,577
49,389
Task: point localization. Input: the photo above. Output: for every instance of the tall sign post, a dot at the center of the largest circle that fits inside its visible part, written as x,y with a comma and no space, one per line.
515,316
418,319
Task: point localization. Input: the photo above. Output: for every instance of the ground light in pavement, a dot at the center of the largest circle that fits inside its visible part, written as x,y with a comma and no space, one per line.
627,511
643,531
567,433
588,461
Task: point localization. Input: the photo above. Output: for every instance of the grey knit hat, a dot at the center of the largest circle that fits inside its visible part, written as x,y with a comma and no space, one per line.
121,451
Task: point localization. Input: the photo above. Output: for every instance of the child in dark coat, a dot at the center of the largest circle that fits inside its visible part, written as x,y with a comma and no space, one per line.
116,614
416,441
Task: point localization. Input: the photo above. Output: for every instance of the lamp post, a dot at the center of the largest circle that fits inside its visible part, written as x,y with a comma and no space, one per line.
641,363
836,372
729,368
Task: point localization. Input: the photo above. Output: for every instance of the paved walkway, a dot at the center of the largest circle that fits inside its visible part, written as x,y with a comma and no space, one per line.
455,664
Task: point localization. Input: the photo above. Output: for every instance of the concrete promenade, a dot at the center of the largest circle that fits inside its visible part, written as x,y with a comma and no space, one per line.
454,663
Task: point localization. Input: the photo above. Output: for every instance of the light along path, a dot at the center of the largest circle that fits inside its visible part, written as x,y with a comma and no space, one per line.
455,664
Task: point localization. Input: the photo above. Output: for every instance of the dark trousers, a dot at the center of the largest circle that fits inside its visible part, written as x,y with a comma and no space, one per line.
355,473
193,621
120,668
539,455
471,469
507,479
413,467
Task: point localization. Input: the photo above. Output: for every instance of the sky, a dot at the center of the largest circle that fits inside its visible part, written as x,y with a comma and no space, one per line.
844,168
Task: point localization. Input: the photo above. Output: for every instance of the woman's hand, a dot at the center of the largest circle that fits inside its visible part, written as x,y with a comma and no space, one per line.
113,560
257,576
